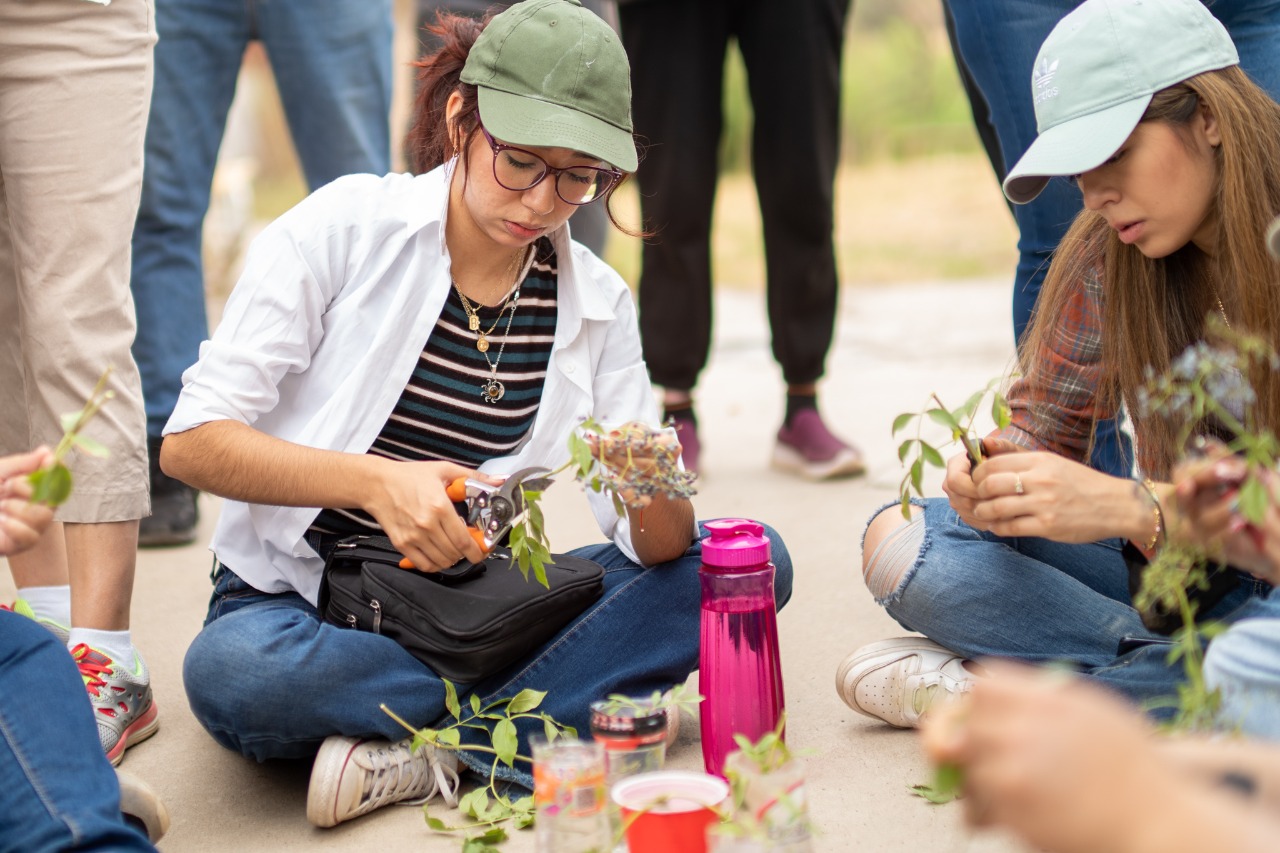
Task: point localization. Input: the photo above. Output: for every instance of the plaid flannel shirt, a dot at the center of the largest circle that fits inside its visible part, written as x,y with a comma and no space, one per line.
1057,411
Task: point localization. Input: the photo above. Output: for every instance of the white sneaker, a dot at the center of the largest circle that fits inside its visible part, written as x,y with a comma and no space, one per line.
353,776
899,680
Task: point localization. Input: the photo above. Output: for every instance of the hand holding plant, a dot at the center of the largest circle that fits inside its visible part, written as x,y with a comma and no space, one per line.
959,422
21,520
632,463
51,483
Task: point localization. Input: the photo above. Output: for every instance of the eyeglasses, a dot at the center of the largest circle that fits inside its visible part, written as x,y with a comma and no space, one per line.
520,170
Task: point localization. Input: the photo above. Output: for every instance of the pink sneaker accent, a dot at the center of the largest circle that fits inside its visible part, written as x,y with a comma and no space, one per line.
690,447
809,449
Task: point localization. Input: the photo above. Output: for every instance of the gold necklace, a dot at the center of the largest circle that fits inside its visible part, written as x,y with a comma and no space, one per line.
1221,309
473,317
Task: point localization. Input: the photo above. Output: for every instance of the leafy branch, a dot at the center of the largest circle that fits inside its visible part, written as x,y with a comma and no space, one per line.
637,463
487,807
680,697
766,791
51,485
959,422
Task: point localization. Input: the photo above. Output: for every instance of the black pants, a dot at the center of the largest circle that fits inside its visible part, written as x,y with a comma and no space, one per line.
792,54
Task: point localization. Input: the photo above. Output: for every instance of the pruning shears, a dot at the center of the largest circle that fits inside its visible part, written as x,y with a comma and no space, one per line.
490,511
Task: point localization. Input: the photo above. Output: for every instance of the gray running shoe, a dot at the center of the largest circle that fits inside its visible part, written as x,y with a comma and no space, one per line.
354,776
23,608
121,700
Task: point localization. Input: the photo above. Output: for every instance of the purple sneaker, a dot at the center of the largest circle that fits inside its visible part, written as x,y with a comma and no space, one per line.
808,448
687,434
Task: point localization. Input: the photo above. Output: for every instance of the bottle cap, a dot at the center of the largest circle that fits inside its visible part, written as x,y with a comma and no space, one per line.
735,543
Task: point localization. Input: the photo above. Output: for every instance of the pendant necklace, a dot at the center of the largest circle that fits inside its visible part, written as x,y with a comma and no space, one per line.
493,390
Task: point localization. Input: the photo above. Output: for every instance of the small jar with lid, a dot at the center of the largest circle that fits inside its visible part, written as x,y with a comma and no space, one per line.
634,737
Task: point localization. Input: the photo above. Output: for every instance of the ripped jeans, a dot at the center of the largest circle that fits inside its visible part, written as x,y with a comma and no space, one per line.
1031,599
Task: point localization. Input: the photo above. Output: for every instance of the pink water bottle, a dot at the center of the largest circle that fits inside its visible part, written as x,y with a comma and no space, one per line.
740,673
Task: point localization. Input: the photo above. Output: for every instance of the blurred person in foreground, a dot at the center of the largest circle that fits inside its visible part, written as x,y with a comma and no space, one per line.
57,789
389,335
331,61
792,54
1071,768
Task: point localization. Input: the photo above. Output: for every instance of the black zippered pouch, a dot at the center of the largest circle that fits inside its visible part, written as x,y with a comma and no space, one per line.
467,622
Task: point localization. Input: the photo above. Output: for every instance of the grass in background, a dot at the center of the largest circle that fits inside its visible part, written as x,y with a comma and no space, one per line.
916,199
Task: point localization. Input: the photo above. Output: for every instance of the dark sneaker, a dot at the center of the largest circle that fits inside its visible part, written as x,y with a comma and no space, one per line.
806,447
174,513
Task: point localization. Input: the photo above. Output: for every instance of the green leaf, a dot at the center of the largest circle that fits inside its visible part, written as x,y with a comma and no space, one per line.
917,476
475,703
905,448
618,506
437,824
449,737
970,406
901,421
69,421
451,699
505,741
581,453
1000,411
947,781
526,700
474,803
932,456
1253,499
50,486
549,729
943,417
540,575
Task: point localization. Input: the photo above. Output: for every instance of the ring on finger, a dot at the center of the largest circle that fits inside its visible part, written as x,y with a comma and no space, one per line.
1017,484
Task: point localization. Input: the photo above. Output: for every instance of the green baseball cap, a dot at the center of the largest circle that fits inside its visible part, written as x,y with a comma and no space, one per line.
1095,75
551,73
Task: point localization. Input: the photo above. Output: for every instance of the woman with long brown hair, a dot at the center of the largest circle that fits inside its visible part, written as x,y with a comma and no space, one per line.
1177,153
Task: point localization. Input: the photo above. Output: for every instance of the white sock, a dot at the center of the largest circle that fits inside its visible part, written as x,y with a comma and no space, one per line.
117,645
49,602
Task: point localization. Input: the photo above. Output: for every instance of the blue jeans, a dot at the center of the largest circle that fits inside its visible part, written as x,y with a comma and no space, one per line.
983,595
998,41
57,789
332,64
269,678
1244,663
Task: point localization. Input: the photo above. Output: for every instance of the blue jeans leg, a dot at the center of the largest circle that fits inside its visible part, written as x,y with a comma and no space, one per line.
268,678
197,59
1030,599
332,62
1244,663
57,790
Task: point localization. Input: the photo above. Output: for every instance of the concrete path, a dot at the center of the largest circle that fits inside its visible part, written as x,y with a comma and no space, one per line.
894,347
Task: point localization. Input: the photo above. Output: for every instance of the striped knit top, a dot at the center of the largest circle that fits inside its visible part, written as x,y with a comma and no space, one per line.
443,413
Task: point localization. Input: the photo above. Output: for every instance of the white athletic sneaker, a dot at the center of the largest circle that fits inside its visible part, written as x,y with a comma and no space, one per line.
899,680
353,776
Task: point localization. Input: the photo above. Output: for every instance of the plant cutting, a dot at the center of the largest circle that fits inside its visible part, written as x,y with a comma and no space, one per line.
636,464
487,807
767,802
51,485
960,424
679,698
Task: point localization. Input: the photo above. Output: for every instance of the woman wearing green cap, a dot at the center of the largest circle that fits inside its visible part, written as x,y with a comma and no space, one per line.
1177,153
391,334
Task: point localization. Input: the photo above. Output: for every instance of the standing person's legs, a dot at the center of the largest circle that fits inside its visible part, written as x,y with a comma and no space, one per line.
197,63
57,791
332,63
677,52
69,197
793,74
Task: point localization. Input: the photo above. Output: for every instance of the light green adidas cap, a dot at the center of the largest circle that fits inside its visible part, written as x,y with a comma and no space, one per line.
551,73
1095,75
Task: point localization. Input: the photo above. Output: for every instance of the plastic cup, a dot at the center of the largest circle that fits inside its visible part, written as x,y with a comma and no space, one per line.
669,811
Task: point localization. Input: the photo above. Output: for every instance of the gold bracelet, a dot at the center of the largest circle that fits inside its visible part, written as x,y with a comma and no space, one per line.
1156,513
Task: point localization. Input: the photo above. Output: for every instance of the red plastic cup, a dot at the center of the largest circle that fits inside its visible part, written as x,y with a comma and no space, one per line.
669,811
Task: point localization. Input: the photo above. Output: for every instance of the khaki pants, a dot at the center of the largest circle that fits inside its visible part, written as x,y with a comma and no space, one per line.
75,89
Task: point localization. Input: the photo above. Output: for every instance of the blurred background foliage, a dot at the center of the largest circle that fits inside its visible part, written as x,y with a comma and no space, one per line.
916,198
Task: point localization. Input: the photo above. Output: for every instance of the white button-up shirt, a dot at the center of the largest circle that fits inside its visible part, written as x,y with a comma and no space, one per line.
324,328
